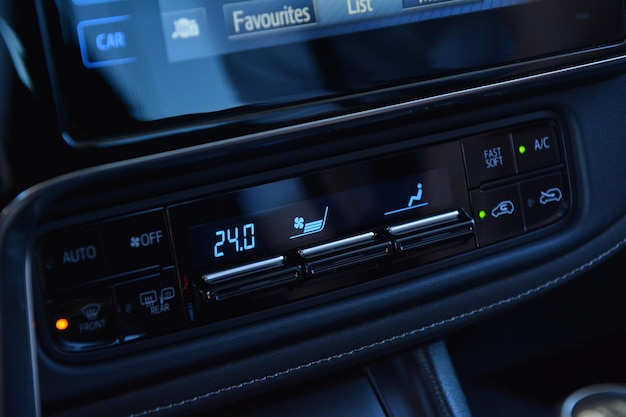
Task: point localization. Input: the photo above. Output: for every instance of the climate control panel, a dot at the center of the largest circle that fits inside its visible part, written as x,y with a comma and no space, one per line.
192,263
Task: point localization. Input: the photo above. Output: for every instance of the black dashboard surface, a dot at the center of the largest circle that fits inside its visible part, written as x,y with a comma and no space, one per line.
317,312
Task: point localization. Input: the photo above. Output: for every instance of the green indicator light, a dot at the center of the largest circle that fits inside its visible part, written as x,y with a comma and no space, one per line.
522,150
482,214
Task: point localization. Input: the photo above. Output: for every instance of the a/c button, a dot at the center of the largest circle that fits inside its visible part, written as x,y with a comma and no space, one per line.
536,147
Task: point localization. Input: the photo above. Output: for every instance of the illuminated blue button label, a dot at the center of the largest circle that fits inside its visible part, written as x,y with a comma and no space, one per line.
339,11
186,34
267,15
106,41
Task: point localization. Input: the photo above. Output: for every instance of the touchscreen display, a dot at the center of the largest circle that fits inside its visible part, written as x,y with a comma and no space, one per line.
155,60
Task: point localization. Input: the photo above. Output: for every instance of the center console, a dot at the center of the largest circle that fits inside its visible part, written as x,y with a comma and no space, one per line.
235,196
205,259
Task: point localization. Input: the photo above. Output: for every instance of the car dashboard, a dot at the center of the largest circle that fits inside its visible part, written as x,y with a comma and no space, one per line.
275,207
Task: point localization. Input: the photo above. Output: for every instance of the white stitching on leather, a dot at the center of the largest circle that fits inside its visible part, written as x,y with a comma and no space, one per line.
422,329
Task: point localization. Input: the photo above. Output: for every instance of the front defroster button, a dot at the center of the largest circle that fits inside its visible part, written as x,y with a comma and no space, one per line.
85,323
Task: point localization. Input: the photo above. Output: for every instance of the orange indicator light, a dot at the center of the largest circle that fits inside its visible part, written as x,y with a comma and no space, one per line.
62,324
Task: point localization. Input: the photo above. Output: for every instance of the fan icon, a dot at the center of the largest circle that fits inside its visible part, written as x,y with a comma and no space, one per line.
298,223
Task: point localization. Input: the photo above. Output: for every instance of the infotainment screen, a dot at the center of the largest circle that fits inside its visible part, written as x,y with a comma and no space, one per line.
127,67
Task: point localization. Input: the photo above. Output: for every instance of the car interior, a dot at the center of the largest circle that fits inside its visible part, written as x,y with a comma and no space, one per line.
385,208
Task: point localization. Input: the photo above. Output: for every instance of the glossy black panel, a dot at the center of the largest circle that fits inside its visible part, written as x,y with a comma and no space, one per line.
132,67
264,221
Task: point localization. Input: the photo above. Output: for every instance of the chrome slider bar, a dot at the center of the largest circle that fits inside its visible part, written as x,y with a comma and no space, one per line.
337,245
402,229
243,270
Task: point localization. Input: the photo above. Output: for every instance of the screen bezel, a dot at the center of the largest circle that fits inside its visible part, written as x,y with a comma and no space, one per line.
568,45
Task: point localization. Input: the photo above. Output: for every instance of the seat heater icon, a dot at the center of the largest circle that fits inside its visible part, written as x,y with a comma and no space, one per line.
415,201
309,228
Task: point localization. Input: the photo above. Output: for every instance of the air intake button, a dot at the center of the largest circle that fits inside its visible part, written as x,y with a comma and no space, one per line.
498,214
545,200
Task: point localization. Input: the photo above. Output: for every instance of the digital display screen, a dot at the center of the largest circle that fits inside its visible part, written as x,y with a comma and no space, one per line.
158,60
300,223
196,29
268,220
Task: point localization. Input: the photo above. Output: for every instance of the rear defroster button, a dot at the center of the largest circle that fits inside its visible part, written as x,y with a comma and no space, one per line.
149,306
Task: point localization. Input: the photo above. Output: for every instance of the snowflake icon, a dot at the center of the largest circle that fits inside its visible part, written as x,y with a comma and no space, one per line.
135,242
298,223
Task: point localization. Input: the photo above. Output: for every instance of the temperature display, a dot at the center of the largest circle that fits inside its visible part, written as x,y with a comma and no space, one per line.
234,240
270,220
265,232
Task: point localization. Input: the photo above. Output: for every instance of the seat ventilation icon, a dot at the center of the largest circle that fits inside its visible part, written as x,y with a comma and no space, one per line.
91,311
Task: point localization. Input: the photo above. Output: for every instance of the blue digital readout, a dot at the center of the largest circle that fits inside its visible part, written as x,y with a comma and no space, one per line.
232,240
265,228
275,219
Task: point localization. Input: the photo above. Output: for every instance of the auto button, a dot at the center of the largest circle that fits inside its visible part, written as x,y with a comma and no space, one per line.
72,257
